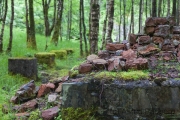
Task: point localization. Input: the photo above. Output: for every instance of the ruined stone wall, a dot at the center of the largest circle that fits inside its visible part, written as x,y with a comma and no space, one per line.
125,100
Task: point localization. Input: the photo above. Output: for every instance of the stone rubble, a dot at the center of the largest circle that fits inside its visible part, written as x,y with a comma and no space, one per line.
161,39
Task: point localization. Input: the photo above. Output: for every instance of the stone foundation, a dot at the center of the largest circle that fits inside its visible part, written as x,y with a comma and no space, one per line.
26,67
122,100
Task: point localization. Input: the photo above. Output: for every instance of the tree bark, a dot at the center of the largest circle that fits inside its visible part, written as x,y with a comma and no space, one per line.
94,26
178,21
69,21
84,28
140,15
146,8
132,17
168,8
154,8
80,27
178,12
57,27
48,27
174,10
120,19
124,27
3,24
104,29
159,8
110,20
30,25
11,27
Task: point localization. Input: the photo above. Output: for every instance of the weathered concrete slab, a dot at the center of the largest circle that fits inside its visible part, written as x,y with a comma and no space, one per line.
24,66
125,100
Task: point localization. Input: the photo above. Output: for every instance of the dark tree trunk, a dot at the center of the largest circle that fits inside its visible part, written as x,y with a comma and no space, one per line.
30,25
48,27
174,9
132,17
120,19
124,26
57,27
94,26
11,27
168,8
84,28
5,3
69,21
154,8
80,27
140,15
150,8
104,29
110,20
164,3
159,8
178,12
146,8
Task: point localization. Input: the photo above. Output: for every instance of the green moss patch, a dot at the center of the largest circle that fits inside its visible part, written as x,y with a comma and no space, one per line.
60,54
69,50
46,58
129,75
78,114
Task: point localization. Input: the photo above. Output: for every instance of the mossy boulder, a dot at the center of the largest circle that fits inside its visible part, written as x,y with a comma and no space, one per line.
47,58
69,50
60,54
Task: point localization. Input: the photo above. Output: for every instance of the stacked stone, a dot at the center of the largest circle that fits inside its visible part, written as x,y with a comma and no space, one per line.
161,36
117,56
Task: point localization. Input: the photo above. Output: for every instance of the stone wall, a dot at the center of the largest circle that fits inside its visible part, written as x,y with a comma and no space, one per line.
125,100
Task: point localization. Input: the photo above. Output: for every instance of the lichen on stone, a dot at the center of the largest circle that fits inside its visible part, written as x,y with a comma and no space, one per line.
61,54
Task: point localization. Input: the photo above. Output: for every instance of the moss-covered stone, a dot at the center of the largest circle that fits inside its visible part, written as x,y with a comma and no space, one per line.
78,114
46,58
60,54
73,73
69,50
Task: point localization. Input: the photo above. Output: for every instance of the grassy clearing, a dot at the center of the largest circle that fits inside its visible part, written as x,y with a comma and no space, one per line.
9,84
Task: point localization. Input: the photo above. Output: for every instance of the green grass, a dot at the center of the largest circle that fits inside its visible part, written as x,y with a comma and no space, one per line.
10,84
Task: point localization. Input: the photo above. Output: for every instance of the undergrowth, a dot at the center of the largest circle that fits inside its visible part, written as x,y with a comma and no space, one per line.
10,84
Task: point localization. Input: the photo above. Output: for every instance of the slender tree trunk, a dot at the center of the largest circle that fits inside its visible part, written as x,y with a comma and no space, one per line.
120,19
104,29
178,12
174,10
94,26
168,8
146,8
80,28
3,24
140,15
132,17
154,8
159,8
150,8
84,28
110,20
124,27
11,27
57,27
31,41
70,19
164,3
